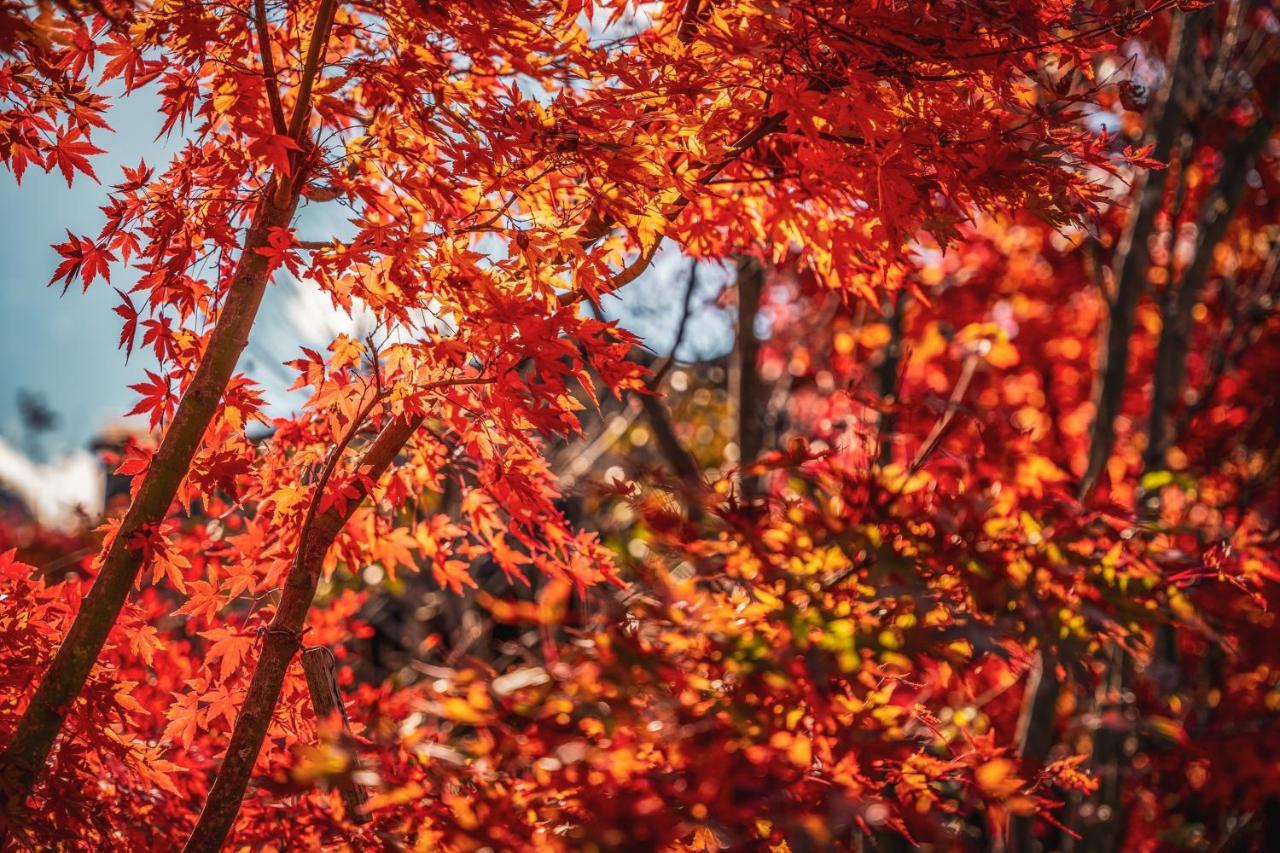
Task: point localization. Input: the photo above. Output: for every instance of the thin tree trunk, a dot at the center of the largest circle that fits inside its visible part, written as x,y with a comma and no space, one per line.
1035,735
326,700
887,373
1130,270
1043,689
1216,214
1133,255
24,758
1215,217
746,390
282,639
1100,822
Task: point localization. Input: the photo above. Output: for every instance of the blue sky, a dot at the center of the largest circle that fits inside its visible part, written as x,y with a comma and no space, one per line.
64,347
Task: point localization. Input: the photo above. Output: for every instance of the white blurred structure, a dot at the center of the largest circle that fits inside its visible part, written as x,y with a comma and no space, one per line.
55,493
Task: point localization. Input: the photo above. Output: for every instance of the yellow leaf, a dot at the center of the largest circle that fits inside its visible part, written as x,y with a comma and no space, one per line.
997,779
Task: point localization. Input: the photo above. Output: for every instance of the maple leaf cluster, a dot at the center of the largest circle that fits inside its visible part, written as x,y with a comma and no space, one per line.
910,565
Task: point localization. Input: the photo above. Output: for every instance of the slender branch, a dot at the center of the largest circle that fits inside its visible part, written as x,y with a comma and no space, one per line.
655,411
1227,46
622,279
315,55
592,231
682,462
953,405
335,455
283,636
314,245
269,80
681,326
688,20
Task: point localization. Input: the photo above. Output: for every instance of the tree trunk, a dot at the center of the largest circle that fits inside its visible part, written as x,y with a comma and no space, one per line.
1215,217
326,701
747,394
23,760
282,639
887,374
1130,270
1035,735
1133,254
1100,822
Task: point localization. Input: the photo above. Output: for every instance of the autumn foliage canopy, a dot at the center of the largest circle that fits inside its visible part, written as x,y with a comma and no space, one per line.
965,538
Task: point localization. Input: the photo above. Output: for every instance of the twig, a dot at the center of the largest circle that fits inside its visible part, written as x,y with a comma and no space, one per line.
953,404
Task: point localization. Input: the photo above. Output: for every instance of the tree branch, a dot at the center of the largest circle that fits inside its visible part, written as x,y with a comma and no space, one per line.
315,56
326,700
269,79
688,20
283,636
592,231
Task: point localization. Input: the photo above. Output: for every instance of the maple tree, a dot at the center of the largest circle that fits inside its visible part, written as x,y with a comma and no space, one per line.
941,586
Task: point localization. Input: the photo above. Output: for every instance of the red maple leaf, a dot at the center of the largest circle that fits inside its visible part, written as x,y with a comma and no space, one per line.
71,154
